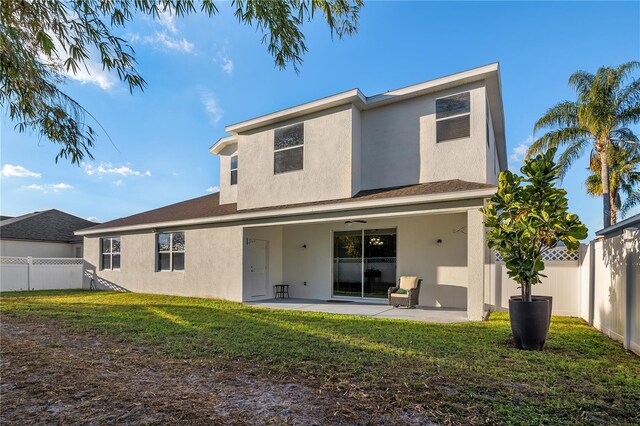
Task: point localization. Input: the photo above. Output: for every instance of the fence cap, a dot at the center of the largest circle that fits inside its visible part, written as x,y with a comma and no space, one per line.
618,228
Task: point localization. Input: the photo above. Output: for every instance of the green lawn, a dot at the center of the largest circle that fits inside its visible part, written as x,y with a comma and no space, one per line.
466,373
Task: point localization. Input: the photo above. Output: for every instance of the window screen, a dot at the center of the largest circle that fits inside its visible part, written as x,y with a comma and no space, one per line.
453,117
288,147
234,170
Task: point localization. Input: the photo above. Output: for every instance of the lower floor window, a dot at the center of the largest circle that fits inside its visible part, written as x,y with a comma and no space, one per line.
110,258
171,251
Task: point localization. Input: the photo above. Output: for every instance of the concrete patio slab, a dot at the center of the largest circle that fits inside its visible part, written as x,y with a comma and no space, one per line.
420,313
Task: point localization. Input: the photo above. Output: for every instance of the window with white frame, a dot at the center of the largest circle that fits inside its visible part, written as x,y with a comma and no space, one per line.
110,250
453,117
170,248
288,149
234,170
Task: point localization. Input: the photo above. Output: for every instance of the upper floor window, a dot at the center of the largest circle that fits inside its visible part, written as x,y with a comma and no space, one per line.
288,148
453,117
110,251
171,251
234,170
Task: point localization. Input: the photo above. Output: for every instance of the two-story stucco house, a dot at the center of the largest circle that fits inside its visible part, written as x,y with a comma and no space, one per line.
337,197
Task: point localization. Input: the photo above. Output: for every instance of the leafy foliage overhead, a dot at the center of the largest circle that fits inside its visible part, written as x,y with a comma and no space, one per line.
41,40
529,216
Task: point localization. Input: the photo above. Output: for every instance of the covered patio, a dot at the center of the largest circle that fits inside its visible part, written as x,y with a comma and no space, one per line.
377,310
345,264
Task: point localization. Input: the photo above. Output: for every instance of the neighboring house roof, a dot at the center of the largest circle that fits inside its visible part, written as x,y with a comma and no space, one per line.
49,225
209,205
618,228
490,73
5,218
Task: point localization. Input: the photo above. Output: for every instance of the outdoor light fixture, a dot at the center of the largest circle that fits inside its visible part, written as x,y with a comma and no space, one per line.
350,222
439,242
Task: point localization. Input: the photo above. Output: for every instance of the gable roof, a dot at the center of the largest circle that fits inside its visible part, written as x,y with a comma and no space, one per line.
489,73
209,206
49,225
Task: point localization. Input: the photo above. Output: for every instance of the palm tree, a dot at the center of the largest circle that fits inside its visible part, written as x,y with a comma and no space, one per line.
624,178
606,105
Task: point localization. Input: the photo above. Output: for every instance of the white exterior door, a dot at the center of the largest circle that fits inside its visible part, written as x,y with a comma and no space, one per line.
258,252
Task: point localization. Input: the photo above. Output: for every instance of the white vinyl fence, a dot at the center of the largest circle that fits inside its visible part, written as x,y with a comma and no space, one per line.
33,273
615,288
563,282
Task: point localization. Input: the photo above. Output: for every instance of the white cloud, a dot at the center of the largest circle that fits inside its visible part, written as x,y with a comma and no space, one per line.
118,182
165,18
518,153
227,65
49,187
162,39
93,74
89,72
212,108
9,170
93,219
213,189
166,35
110,169
223,59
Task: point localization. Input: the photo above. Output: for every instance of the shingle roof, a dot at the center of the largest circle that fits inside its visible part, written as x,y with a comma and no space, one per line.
5,218
209,205
48,225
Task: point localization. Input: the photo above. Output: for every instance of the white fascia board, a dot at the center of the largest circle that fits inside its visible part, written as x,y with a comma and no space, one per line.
324,208
350,96
436,85
222,143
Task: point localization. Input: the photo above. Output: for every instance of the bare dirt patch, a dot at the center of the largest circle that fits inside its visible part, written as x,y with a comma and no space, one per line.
50,375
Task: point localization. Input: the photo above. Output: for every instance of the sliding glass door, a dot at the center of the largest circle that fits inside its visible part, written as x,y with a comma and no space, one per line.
364,262
347,263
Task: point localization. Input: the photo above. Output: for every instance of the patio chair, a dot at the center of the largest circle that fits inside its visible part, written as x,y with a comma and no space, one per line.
406,293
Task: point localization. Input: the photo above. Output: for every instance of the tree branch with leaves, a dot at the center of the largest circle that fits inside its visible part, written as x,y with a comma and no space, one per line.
41,41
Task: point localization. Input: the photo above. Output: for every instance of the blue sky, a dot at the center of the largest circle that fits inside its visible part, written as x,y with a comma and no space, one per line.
203,74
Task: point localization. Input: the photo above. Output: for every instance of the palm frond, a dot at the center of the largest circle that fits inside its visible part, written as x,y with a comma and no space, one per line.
556,138
581,81
629,203
624,136
593,184
571,154
564,114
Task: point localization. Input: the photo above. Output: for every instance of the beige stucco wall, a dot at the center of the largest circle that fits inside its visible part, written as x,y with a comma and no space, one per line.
36,249
442,268
347,150
493,167
213,265
399,143
273,235
326,172
228,192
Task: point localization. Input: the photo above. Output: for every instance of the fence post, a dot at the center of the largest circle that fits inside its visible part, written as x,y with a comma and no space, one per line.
29,263
627,241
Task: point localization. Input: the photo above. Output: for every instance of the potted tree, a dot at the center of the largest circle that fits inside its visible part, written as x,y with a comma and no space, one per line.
527,217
